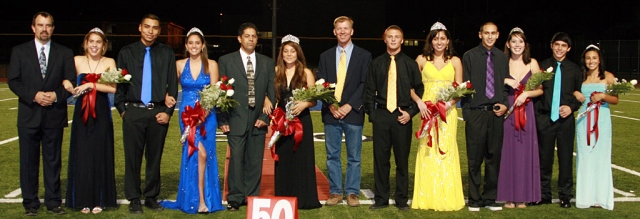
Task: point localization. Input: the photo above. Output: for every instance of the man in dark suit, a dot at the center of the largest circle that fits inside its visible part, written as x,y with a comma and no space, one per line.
145,118
246,125
555,120
346,65
36,71
387,100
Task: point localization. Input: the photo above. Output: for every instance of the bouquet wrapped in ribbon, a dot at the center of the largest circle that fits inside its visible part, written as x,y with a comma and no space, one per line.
618,87
439,109
218,95
191,117
110,76
285,123
534,82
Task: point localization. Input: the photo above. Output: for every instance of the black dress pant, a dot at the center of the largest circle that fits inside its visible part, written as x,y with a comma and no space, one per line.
483,132
142,131
388,133
561,132
245,163
30,140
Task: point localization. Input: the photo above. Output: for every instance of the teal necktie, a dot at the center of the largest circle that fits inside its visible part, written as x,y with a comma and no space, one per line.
145,96
555,101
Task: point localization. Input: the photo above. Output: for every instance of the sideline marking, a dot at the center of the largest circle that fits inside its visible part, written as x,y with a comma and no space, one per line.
14,194
9,99
622,169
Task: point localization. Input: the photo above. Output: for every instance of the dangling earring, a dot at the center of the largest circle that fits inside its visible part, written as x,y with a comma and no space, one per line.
446,48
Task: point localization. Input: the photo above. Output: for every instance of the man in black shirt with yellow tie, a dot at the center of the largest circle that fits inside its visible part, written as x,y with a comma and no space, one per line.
485,67
145,118
387,100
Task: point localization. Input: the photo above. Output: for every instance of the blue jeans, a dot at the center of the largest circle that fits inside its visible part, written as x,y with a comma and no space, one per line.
333,142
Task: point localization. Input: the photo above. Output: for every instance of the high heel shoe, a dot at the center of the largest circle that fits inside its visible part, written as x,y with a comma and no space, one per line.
203,209
96,210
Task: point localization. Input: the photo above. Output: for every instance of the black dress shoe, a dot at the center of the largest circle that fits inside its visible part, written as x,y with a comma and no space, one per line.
153,204
542,202
565,203
135,207
233,206
31,212
376,206
56,210
403,207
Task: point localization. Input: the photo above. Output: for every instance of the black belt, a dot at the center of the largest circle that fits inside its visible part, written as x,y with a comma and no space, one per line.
384,106
485,108
148,106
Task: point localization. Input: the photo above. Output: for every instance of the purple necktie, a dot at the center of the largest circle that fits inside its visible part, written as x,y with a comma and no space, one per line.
489,91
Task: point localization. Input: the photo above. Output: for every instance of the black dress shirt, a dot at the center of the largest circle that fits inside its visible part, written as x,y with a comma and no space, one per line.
164,80
571,81
474,64
408,77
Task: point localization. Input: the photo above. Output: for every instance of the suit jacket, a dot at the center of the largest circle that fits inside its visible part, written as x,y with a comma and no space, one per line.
357,69
25,80
238,118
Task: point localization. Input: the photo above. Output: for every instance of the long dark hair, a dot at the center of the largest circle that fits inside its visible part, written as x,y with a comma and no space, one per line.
299,79
526,54
585,70
428,50
204,55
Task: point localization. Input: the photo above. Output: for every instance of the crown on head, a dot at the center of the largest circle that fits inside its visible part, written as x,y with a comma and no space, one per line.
195,30
438,26
96,30
291,38
592,46
516,29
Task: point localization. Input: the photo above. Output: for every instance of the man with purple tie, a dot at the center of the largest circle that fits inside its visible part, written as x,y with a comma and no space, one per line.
485,67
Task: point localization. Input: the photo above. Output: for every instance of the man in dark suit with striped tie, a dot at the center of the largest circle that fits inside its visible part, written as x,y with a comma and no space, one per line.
246,124
36,71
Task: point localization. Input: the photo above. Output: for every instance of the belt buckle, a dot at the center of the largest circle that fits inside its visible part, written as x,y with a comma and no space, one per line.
150,106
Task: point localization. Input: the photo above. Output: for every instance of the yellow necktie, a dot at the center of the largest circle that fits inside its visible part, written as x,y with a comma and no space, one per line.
342,74
391,87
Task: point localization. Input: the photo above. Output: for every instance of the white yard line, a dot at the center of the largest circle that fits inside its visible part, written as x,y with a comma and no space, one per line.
8,140
633,101
9,99
624,117
14,194
622,169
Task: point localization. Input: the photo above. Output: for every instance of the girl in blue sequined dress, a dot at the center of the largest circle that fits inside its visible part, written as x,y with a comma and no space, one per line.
199,186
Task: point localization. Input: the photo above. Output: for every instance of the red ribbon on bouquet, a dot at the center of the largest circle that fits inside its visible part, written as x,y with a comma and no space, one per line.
286,127
520,111
434,110
89,99
190,118
596,112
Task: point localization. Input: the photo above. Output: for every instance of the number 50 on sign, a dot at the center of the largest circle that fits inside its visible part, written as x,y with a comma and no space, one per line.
272,207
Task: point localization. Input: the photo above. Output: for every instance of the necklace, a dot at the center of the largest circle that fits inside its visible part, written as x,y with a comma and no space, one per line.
96,68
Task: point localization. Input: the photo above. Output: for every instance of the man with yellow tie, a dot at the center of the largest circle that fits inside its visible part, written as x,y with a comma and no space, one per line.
387,100
346,65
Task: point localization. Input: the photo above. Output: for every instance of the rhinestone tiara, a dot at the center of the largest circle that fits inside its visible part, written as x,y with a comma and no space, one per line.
592,46
290,37
516,29
96,30
195,30
438,26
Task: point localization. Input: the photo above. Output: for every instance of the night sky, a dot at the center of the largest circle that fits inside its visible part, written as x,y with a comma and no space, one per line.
583,20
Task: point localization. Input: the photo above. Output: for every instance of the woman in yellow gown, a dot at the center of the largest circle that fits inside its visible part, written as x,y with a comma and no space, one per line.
438,184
